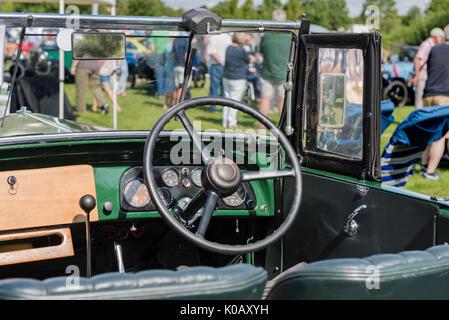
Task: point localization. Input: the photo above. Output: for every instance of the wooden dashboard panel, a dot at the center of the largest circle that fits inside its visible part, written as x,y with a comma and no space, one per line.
45,197
64,249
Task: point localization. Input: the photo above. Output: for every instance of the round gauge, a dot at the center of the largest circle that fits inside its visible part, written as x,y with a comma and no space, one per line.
136,193
196,177
170,177
237,198
166,196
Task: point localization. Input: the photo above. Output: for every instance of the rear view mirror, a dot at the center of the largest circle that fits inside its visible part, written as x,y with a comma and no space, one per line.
332,100
98,46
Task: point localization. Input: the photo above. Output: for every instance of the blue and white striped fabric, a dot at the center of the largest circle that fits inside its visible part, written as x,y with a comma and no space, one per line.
408,142
398,162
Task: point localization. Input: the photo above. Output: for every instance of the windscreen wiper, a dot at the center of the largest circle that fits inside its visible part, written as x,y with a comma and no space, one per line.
14,75
191,53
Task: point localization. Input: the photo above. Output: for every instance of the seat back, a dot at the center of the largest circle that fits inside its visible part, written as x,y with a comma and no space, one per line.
407,275
237,282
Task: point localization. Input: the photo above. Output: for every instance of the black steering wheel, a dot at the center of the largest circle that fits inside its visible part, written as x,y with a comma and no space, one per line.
220,178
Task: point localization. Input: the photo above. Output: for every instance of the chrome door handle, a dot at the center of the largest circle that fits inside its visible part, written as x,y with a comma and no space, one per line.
350,227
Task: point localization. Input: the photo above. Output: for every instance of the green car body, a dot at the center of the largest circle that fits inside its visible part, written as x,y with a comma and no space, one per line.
352,237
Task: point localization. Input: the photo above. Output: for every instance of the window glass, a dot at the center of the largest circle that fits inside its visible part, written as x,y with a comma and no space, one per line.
334,102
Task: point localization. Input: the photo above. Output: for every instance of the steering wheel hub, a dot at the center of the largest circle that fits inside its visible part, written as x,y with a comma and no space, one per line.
226,172
223,175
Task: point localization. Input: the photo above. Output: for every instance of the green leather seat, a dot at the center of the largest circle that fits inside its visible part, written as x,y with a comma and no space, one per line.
237,282
407,275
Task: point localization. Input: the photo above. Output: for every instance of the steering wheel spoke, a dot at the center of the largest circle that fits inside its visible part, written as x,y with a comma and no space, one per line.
196,138
266,174
209,209
194,205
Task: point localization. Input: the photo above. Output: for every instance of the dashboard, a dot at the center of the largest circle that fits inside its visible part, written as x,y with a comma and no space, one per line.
177,186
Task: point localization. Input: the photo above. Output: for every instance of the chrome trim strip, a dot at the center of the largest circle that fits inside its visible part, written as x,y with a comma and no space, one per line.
127,22
118,135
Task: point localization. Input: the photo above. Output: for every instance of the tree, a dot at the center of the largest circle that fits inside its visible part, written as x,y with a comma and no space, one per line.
294,10
437,6
413,14
267,8
330,14
387,8
151,8
227,9
338,14
44,8
248,10
121,7
388,15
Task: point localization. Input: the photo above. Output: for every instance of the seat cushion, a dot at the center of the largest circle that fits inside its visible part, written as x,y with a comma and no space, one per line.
236,282
407,275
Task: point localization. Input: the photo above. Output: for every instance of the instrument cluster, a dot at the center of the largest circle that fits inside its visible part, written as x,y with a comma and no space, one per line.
177,186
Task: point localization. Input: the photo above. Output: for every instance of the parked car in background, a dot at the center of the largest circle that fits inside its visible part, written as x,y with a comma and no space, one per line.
397,74
136,50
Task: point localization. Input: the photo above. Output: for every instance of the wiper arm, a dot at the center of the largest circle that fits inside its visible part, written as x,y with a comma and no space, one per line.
14,75
191,53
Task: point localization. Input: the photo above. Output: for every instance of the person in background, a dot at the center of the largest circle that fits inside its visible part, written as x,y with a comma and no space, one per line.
179,55
159,39
106,70
234,76
436,93
123,80
169,83
420,61
216,52
275,49
123,71
86,74
254,68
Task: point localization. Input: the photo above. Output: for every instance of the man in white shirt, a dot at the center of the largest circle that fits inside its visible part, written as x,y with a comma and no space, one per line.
216,51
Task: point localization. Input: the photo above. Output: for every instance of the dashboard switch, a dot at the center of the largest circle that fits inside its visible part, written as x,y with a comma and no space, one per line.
108,207
186,183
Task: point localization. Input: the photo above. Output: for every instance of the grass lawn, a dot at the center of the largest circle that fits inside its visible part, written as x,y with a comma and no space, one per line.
417,182
141,110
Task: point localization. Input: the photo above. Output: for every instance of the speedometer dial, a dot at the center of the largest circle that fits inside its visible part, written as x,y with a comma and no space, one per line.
196,177
136,193
237,198
170,177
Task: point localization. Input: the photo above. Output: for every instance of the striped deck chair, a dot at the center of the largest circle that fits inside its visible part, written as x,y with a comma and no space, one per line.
409,140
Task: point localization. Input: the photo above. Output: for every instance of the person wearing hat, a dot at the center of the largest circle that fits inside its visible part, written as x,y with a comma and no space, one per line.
436,93
420,61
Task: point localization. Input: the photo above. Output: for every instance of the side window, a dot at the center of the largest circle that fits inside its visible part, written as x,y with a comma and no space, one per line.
333,100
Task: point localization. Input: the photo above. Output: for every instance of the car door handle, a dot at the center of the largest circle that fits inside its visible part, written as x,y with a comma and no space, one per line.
350,227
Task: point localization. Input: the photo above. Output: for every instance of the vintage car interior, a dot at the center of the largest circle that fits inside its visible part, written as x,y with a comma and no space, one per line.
296,211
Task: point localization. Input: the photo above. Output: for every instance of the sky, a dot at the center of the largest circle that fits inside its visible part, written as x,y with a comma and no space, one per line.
354,6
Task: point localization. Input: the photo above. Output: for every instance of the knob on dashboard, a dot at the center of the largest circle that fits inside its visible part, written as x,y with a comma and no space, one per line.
87,203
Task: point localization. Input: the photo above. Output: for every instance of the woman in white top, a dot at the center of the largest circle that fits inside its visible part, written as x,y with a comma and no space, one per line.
106,70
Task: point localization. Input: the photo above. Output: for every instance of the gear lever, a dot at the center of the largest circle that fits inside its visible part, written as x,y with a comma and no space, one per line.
88,203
